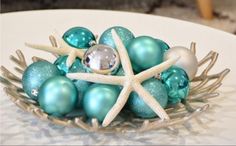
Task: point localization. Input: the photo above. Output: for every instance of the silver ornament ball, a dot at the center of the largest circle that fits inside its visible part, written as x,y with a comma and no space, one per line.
101,59
188,61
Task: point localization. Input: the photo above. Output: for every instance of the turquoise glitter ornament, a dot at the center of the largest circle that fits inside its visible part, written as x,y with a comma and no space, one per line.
79,37
77,66
144,52
164,46
125,35
35,74
99,99
139,107
177,84
57,96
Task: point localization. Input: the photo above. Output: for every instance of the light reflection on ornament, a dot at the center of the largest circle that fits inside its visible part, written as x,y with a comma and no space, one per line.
177,84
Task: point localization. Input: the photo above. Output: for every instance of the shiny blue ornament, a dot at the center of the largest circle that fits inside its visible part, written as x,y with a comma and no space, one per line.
120,71
58,96
164,46
177,84
144,53
99,99
139,107
77,66
35,75
79,37
125,35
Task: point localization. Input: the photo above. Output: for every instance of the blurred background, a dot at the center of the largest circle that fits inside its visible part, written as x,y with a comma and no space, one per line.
220,14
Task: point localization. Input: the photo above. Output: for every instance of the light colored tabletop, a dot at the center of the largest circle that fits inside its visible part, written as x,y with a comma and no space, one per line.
216,126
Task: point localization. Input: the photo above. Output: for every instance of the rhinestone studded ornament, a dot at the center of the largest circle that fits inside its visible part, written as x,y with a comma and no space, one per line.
116,83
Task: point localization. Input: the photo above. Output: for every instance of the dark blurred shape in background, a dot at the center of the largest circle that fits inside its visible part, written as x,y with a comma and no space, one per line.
131,5
224,11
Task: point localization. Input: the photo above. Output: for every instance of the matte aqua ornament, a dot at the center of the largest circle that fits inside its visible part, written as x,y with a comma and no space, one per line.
58,96
82,87
164,46
77,66
144,53
99,99
125,35
177,84
79,37
35,75
139,107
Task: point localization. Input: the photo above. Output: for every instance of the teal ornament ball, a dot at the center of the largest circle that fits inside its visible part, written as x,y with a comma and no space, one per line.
79,37
177,84
125,35
120,71
77,66
164,46
139,107
144,52
81,87
99,99
57,96
35,75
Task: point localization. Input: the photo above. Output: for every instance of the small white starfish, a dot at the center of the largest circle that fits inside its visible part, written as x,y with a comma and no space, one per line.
129,81
62,49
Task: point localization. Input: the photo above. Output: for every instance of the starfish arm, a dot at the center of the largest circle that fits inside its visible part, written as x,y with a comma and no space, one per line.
115,110
60,51
47,49
124,57
156,69
70,59
97,78
150,101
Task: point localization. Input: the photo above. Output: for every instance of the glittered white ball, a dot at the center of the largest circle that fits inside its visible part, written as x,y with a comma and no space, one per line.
187,62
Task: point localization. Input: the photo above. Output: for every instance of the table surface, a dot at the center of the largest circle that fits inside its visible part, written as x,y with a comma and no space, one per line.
216,126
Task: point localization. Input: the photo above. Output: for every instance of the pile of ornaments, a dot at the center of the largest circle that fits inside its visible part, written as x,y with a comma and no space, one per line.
59,96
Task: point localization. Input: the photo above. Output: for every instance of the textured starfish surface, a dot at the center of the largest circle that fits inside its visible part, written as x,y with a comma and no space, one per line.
129,81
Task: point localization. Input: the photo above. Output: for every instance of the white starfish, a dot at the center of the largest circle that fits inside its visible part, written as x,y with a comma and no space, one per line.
62,49
129,81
